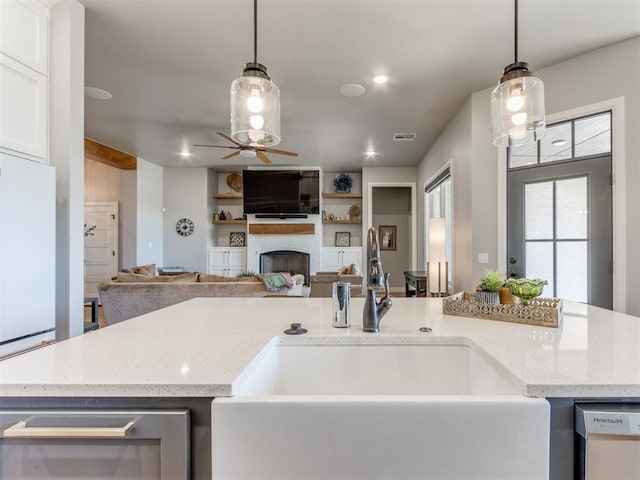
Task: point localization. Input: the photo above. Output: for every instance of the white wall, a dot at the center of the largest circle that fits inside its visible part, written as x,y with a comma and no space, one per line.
128,218
185,196
149,220
212,187
66,123
603,74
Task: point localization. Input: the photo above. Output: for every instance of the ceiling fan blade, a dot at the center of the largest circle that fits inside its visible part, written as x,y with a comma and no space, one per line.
279,152
215,146
262,157
228,138
231,154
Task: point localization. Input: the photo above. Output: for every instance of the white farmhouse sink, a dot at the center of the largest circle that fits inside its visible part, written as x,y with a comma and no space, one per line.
378,412
373,370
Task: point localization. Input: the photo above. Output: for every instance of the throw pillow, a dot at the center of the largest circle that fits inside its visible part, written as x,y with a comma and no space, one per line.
146,269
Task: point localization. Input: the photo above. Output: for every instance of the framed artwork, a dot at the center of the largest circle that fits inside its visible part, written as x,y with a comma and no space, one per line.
343,239
387,234
236,239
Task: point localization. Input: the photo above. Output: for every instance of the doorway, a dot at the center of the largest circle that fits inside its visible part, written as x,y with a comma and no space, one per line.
391,210
100,245
559,211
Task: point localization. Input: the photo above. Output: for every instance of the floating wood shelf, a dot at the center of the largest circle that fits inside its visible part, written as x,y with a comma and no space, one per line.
229,222
341,195
355,221
282,228
223,196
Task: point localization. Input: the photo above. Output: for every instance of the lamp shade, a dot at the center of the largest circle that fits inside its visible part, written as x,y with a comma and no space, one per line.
517,107
437,265
255,108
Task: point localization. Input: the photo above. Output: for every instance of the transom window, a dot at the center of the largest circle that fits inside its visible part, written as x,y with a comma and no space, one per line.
564,141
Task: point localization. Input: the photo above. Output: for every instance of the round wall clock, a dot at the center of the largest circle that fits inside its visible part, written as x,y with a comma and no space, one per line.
184,227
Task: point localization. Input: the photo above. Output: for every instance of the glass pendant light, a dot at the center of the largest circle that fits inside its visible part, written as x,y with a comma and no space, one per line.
517,103
255,101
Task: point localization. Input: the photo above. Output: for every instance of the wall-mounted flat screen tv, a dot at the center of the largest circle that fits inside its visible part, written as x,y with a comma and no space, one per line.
281,192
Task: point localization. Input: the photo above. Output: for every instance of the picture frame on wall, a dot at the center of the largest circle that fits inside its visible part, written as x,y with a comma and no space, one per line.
388,237
343,239
236,239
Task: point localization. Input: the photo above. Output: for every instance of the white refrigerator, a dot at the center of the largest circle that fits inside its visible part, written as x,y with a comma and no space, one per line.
27,253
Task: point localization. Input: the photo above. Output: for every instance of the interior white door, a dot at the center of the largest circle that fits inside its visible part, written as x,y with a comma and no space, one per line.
100,245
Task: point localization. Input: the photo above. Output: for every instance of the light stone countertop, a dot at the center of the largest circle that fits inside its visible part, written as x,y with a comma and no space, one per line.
200,347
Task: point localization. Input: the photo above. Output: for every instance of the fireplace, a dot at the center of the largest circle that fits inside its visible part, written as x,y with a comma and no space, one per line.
285,261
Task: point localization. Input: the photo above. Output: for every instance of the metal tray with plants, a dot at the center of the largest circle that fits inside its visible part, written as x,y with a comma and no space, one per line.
531,309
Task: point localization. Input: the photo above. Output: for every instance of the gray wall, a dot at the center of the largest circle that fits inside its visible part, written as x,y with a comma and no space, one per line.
392,206
575,83
454,144
185,196
600,75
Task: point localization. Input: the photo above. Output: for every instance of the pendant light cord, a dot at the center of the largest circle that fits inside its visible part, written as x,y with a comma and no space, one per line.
255,30
515,34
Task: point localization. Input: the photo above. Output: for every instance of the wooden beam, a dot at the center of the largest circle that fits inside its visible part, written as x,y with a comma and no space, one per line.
109,156
281,228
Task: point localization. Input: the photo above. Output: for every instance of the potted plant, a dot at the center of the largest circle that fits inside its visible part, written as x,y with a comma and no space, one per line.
487,290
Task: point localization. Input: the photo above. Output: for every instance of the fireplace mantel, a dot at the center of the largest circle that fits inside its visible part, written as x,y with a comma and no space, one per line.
282,228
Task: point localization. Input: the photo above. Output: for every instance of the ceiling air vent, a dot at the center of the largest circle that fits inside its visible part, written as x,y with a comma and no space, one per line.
404,137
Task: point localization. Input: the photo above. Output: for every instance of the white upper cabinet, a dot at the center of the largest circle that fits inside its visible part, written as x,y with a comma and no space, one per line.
24,33
23,109
24,85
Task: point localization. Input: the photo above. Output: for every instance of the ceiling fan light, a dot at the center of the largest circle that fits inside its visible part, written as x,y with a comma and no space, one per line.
248,153
245,103
530,115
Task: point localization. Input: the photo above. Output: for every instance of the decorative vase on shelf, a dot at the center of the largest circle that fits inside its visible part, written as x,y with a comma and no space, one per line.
342,183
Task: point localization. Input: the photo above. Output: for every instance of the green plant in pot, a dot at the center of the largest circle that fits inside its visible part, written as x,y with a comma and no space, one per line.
526,289
487,290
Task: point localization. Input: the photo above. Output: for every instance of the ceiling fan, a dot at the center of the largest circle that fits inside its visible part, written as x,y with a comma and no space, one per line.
249,150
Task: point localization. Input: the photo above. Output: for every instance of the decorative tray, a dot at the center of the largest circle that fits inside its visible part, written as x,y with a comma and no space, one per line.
543,312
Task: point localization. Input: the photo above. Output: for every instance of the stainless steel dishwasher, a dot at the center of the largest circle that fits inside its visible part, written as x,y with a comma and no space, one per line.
607,441
92,444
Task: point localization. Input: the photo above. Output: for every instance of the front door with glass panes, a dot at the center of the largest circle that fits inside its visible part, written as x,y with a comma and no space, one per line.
559,213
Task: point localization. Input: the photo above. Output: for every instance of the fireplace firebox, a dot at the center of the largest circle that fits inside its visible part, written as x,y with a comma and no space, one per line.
285,261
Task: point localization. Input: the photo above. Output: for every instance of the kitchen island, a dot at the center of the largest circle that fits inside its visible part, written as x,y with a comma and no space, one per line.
189,353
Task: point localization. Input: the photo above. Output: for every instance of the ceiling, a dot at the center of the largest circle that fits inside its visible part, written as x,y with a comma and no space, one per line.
169,65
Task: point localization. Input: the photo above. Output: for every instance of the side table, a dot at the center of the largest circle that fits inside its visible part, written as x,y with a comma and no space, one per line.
417,280
94,313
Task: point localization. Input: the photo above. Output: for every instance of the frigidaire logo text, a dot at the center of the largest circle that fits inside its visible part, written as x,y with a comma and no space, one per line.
607,420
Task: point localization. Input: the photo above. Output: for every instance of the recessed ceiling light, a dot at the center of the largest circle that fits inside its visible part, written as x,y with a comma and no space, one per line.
381,78
185,154
351,90
558,143
97,93
370,153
